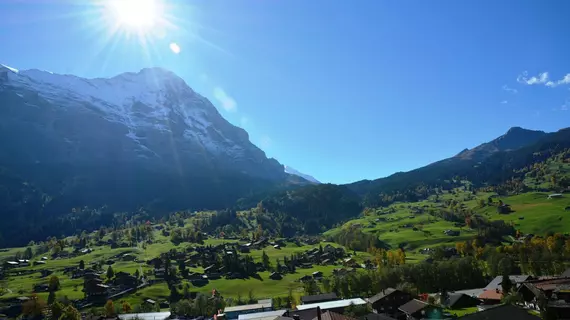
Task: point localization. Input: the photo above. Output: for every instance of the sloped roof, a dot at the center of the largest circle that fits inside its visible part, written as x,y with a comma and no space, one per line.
549,284
332,304
470,292
307,314
413,306
502,312
319,297
376,316
329,315
491,295
496,283
381,295
268,315
453,298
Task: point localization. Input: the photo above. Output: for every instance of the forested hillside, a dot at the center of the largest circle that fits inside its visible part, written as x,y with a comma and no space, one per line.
494,168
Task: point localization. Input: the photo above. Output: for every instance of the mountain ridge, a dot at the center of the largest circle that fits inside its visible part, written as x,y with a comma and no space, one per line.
465,163
514,138
135,140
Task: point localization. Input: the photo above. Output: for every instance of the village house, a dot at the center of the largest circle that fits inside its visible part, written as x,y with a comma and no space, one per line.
95,289
266,315
326,262
502,312
388,300
337,306
339,272
159,272
210,269
43,287
305,278
128,257
275,276
555,290
452,233
350,262
416,309
460,301
23,262
125,280
319,298
491,296
233,313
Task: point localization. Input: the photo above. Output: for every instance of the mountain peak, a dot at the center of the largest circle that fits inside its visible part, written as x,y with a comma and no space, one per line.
517,137
514,138
516,129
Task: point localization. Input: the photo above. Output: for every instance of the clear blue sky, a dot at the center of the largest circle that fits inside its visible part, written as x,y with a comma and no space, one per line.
341,90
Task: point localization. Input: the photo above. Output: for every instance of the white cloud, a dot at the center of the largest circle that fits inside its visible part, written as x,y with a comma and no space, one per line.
542,78
511,90
504,102
565,80
175,47
564,107
228,103
265,141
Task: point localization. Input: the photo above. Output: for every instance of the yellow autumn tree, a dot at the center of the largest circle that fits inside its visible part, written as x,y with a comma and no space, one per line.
109,308
460,247
401,256
390,258
551,244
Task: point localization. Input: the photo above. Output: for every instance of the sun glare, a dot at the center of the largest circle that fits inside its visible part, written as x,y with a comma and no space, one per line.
135,14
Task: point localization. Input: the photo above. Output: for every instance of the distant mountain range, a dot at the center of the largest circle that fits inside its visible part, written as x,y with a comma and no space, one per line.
147,141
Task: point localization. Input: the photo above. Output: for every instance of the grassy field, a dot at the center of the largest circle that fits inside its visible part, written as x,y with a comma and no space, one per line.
462,312
21,285
410,226
539,214
401,226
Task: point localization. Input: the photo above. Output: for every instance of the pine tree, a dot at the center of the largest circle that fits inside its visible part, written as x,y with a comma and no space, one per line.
265,260
56,310
54,284
110,273
51,298
506,284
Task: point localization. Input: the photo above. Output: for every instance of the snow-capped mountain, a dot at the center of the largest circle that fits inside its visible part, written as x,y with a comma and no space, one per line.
307,177
133,139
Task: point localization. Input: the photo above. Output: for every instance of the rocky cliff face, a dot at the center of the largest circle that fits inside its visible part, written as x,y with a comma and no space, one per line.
136,139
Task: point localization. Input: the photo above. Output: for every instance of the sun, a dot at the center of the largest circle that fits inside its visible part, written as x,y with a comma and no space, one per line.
134,14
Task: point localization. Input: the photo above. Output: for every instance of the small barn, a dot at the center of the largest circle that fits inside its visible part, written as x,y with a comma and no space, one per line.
460,301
